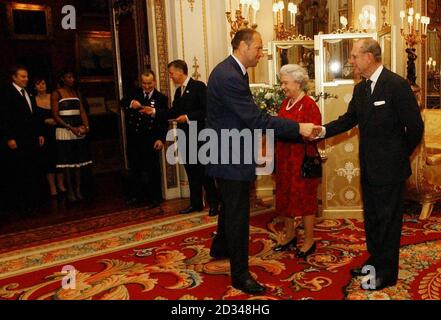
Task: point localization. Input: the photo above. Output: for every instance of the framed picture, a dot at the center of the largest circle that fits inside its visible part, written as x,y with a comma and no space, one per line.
29,21
97,105
342,4
95,56
94,8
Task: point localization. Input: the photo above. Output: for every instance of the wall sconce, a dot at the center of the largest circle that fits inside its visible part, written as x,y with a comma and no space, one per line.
367,18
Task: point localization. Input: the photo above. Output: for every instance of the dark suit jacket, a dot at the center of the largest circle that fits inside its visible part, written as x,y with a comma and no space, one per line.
192,103
390,128
18,122
230,105
142,125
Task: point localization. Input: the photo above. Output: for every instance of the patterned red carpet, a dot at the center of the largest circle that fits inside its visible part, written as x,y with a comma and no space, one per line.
169,259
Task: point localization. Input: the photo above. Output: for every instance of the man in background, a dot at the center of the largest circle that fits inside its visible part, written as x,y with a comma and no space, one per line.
145,139
22,131
190,106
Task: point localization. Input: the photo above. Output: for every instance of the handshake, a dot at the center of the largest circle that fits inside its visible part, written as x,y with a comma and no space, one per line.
311,131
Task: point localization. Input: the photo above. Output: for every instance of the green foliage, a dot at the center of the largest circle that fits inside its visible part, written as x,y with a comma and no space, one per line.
268,99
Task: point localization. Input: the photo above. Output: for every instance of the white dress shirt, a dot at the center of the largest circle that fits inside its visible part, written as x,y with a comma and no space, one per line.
28,99
242,67
374,78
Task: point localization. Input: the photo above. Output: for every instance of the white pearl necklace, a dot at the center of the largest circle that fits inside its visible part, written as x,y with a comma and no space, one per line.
291,105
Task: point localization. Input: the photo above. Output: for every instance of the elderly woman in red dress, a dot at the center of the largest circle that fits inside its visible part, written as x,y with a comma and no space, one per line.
296,196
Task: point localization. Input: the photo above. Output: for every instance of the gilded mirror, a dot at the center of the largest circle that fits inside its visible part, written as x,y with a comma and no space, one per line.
432,62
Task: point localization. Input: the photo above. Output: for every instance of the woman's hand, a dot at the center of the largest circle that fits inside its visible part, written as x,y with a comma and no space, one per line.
83,130
12,144
76,131
50,122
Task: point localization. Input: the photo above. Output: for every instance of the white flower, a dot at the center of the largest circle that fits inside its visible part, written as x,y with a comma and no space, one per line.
269,96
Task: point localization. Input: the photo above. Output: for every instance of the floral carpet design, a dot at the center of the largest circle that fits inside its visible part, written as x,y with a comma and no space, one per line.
168,259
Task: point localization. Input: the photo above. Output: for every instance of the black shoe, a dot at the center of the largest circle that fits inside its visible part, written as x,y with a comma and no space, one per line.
153,205
190,209
290,246
357,272
380,284
303,255
213,212
249,286
132,202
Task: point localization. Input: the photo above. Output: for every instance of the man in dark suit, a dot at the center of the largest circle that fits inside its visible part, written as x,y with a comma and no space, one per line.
190,106
387,113
230,107
23,134
145,139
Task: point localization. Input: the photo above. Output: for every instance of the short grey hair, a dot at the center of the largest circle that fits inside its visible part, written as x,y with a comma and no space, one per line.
296,73
370,45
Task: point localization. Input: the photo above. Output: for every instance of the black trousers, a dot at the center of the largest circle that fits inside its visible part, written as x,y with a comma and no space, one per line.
383,207
145,169
23,178
199,181
233,228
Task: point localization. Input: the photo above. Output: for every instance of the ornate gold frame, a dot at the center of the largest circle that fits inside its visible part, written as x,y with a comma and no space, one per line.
11,7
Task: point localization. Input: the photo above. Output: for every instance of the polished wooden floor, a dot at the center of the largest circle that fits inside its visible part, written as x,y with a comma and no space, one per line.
105,195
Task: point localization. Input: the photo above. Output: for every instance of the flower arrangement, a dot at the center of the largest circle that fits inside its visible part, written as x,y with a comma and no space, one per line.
268,99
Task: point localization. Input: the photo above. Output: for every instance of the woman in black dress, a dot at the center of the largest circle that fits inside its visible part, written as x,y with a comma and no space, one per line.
49,151
73,126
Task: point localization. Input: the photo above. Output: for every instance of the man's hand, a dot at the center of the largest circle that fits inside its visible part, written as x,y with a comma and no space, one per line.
181,119
148,111
12,144
136,105
317,132
306,129
158,145
41,141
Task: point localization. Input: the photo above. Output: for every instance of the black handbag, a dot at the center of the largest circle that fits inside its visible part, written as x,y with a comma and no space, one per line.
312,165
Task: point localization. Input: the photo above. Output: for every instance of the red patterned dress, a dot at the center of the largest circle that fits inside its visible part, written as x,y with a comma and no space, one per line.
296,196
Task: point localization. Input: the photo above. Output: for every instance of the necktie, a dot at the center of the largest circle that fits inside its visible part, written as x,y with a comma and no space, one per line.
369,88
247,77
23,93
182,90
